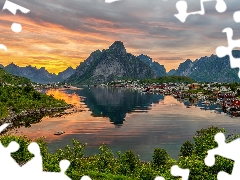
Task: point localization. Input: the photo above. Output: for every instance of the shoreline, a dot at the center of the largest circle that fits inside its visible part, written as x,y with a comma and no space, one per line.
17,119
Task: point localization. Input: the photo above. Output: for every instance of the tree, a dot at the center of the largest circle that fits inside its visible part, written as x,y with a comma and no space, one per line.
186,149
160,157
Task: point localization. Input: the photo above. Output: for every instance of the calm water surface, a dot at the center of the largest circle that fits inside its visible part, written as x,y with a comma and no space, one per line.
127,120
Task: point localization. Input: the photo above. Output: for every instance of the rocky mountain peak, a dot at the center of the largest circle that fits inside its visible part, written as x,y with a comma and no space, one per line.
118,48
145,58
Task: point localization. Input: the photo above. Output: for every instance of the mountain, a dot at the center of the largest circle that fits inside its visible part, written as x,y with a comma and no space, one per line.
38,75
1,66
6,78
171,72
66,73
109,65
210,69
156,67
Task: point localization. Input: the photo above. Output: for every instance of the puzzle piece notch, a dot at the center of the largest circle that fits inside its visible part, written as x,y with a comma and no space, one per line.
12,7
86,178
8,162
236,16
4,126
222,51
177,171
35,164
111,1
228,150
182,9
159,178
16,27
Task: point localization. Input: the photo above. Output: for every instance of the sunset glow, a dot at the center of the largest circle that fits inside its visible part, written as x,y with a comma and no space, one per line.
59,35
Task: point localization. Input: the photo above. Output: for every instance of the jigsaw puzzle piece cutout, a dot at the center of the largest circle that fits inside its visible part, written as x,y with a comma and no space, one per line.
228,150
35,164
2,46
183,14
86,178
159,178
236,16
176,171
111,1
5,155
12,7
7,164
223,176
64,164
222,51
5,125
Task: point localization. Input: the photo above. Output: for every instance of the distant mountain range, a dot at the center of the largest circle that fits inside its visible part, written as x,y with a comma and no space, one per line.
38,75
115,63
209,69
158,69
110,65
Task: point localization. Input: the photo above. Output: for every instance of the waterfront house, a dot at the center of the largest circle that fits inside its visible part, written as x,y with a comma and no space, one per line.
225,88
194,86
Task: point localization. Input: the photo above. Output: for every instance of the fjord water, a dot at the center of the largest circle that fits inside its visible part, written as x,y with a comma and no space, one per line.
126,119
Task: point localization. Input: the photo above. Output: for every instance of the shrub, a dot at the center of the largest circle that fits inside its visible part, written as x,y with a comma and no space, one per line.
160,157
186,149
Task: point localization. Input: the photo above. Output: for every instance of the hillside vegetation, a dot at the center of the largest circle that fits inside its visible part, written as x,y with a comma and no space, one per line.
17,94
6,78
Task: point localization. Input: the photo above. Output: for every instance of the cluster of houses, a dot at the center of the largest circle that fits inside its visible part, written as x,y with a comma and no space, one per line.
217,92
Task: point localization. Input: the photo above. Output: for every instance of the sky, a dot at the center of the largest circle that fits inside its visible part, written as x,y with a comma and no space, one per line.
57,34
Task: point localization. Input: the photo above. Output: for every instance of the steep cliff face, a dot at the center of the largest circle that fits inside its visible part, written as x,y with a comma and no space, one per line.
156,67
66,73
109,65
184,68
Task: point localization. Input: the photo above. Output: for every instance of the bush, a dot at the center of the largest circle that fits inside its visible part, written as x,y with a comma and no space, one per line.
128,163
160,157
186,149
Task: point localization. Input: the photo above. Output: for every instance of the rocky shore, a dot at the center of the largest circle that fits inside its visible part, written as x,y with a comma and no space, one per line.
27,117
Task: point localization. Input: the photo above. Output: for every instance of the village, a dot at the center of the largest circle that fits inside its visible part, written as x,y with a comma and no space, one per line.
227,95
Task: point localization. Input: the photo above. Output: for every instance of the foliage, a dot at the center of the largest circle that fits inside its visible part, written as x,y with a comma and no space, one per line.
17,94
128,163
6,78
25,98
204,141
186,149
127,166
160,157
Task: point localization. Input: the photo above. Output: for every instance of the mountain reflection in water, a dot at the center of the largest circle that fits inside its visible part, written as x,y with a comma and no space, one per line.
115,103
147,121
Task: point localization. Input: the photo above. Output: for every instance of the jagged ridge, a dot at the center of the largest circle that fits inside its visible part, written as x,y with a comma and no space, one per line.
109,65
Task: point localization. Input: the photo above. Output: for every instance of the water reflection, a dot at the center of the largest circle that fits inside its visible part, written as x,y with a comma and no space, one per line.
167,123
72,98
115,103
212,106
